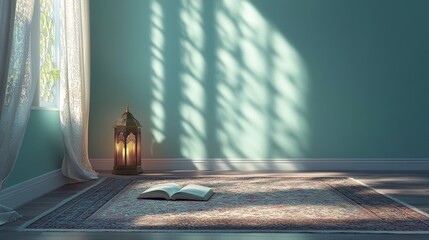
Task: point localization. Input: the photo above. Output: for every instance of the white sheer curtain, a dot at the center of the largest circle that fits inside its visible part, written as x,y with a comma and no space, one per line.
17,86
74,85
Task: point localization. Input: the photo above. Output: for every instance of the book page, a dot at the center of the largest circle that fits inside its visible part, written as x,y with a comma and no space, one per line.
194,192
158,190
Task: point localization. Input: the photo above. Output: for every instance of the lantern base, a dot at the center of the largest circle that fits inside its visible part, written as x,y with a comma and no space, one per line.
127,170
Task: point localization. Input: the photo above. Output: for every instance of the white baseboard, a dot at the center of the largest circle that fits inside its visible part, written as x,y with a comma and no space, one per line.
295,164
22,193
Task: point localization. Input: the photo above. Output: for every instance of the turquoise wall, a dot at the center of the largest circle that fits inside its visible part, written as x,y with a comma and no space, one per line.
42,149
263,78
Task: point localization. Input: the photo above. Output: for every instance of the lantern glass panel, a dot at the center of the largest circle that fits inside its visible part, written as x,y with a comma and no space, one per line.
120,149
131,148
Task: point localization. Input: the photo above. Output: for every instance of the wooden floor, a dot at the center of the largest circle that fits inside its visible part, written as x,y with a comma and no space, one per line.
410,187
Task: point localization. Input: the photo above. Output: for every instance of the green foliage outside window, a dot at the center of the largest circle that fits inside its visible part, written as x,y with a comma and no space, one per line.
49,72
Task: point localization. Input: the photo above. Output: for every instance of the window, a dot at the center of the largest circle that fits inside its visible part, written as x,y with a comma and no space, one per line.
47,28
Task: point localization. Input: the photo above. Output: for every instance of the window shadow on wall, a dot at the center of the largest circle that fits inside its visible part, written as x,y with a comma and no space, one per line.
225,84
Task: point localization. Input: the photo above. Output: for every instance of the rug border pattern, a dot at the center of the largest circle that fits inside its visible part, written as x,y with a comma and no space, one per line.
43,222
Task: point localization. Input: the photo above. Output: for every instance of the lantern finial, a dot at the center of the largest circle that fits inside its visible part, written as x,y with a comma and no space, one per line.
127,108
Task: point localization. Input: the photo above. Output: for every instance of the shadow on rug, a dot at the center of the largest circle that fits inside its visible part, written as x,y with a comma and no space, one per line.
243,204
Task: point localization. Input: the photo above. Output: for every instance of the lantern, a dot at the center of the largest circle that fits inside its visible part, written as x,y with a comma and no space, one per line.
127,145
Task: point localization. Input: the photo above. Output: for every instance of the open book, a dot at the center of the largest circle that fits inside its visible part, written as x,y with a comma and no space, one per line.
173,191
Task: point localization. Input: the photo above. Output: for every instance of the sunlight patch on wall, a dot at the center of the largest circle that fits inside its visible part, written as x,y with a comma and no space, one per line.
193,135
262,87
158,71
290,81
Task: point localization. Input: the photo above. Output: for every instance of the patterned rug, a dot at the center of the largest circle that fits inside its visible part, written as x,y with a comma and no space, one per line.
243,204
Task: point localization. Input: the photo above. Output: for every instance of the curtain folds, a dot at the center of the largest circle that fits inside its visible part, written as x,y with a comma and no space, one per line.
17,86
74,85
7,14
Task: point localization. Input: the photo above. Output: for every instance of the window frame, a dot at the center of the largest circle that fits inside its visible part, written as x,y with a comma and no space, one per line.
38,104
